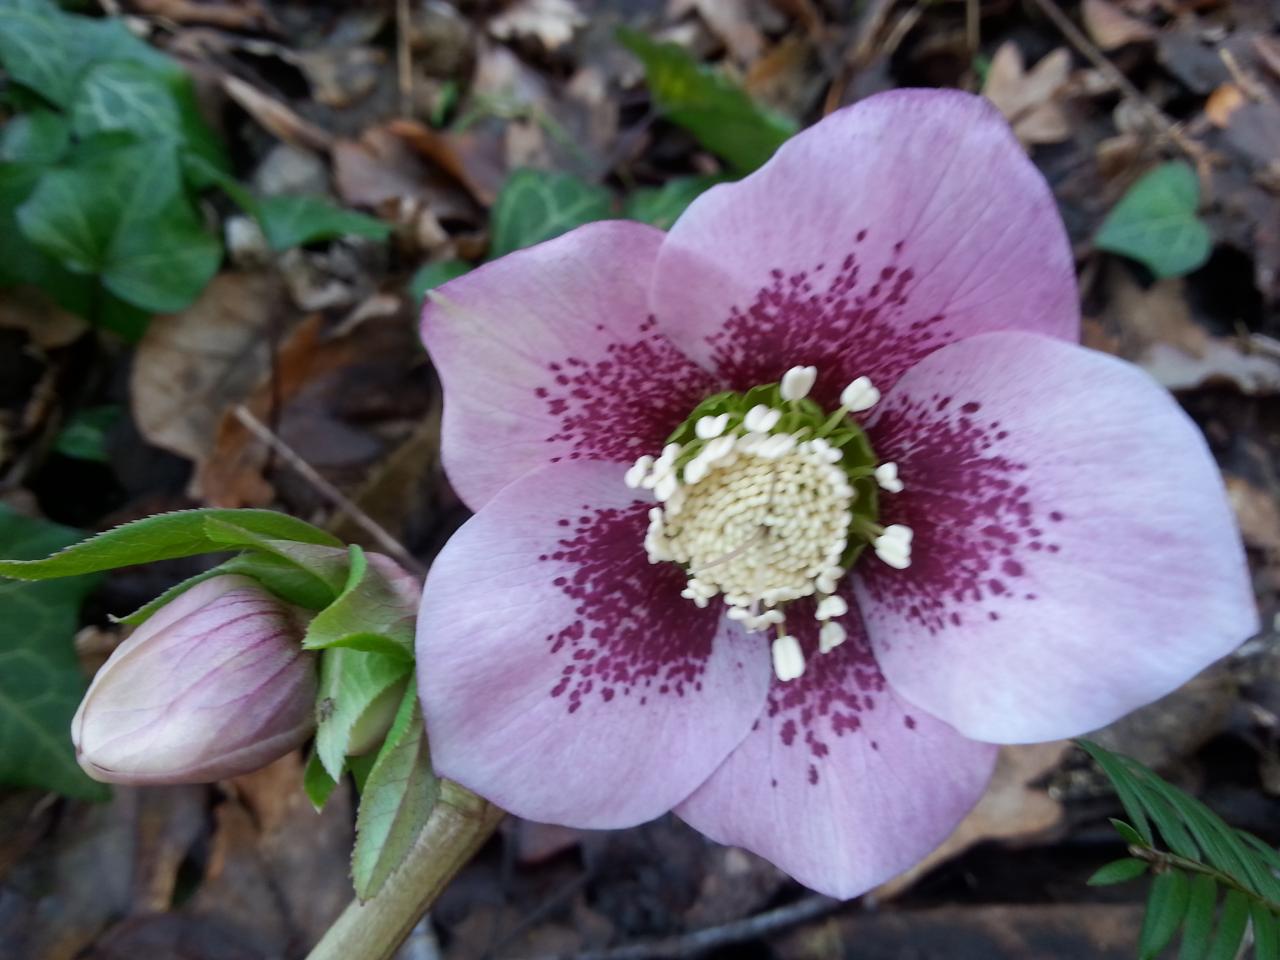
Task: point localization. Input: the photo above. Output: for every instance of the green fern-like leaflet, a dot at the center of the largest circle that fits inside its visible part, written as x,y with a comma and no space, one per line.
1213,883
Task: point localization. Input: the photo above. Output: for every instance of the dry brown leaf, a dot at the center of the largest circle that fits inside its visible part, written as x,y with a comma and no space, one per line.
551,22
1111,28
731,21
1257,513
1011,809
277,118
1157,331
467,157
241,15
44,322
190,366
1222,103
1029,100
339,76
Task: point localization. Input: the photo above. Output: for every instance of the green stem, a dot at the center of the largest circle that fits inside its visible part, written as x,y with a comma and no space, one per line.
374,930
1161,860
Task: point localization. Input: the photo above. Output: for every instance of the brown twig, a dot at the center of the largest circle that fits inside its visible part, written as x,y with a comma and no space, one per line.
700,941
326,489
1158,118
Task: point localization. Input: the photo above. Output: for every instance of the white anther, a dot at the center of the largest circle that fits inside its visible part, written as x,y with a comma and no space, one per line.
832,606
639,470
788,658
859,395
666,486
887,477
830,636
777,445
708,428
717,449
824,451
797,382
761,418
894,546
696,469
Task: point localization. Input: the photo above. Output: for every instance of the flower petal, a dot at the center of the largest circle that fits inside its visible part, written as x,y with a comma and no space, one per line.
1074,555
550,354
881,233
562,675
841,783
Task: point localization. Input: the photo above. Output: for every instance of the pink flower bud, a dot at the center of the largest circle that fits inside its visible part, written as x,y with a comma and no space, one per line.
213,685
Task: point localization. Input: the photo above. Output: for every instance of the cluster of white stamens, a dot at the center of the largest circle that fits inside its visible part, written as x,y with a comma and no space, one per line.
763,518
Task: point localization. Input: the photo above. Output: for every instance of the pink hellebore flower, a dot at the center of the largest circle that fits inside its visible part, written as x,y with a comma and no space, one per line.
680,448
213,685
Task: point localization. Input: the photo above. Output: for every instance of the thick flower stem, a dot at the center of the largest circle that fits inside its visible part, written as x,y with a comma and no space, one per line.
374,930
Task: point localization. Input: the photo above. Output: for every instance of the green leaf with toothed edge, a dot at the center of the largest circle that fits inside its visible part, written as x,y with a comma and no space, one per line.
396,801
282,577
165,536
316,782
355,686
367,615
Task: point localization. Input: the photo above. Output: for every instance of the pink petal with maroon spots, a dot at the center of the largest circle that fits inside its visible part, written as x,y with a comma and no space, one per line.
841,783
549,354
1074,556
886,230
562,675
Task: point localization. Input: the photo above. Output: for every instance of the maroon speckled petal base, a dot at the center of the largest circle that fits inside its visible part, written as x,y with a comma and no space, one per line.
562,675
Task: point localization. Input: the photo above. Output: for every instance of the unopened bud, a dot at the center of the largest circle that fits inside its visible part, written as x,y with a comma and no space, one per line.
215,684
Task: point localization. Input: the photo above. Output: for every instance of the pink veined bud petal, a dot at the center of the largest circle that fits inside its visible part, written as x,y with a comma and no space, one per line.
215,684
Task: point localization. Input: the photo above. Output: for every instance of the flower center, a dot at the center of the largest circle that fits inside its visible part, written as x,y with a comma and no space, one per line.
766,498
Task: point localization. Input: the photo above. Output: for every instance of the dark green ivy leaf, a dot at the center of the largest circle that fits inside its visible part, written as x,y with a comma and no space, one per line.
40,678
535,206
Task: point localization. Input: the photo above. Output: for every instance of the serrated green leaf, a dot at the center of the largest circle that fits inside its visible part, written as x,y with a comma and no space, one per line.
316,782
706,103
40,679
165,536
396,801
289,221
1155,223
281,576
39,137
328,567
662,206
1235,916
1166,906
354,686
1198,928
534,206
85,435
367,615
1266,938
1118,871
431,275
